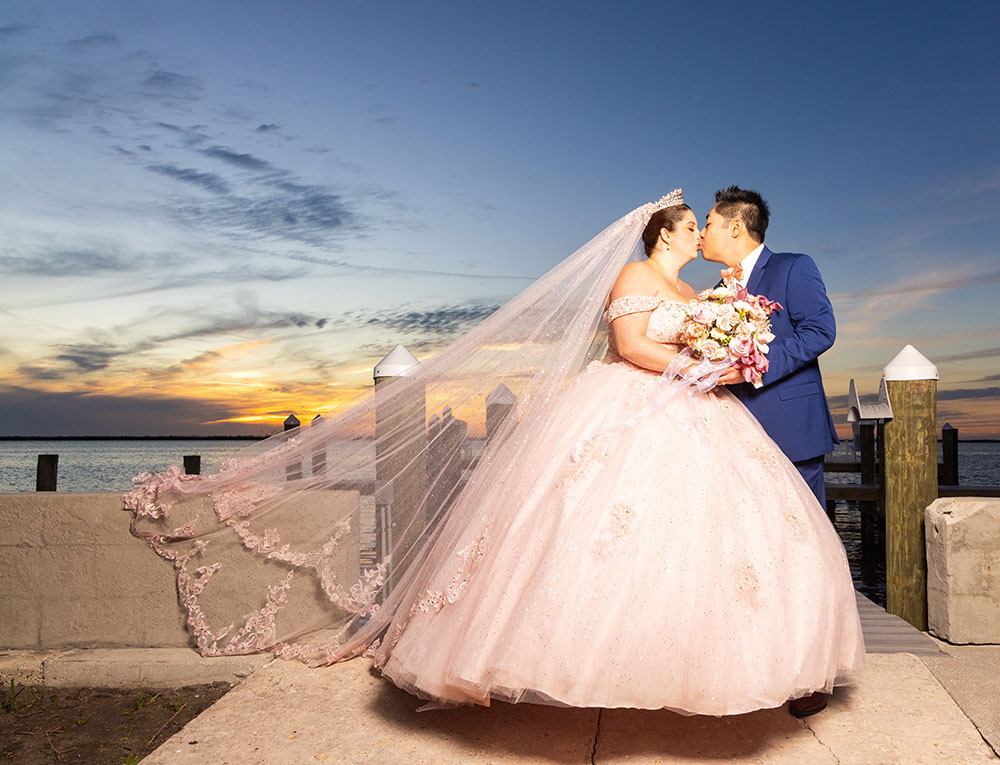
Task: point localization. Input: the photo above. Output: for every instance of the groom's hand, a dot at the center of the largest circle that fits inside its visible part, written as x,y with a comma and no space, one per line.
731,377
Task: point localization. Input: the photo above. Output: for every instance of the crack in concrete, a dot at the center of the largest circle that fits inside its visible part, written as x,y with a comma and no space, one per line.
968,716
597,732
820,741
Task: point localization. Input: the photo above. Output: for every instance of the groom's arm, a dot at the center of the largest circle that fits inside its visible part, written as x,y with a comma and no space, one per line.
813,326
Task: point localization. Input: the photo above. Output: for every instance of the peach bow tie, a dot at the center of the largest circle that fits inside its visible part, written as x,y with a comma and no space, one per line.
732,274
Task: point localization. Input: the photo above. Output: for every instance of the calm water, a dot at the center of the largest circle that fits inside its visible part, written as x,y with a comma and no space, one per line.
103,465
978,465
109,466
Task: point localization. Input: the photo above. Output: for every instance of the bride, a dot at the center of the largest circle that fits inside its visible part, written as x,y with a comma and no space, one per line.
620,542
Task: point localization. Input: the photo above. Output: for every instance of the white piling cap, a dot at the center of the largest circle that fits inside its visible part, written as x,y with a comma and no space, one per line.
501,395
910,364
399,362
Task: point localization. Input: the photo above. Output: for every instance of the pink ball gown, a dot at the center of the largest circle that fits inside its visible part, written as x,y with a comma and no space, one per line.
678,562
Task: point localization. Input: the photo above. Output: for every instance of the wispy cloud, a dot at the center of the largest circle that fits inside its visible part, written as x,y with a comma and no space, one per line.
868,309
924,283
71,263
89,357
208,181
242,160
93,41
967,393
304,215
9,31
446,320
170,87
983,353
367,268
101,349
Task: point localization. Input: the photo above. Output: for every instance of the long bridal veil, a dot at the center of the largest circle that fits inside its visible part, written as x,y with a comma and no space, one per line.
309,542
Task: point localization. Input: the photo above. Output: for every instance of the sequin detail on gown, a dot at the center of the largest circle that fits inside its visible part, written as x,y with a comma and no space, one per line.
664,567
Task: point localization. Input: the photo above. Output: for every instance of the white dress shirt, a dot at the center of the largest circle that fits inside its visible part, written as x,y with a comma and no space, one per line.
749,262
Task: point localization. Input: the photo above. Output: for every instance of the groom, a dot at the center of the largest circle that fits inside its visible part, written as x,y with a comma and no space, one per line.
791,405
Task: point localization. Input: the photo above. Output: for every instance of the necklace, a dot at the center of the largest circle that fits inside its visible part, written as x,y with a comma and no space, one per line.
675,281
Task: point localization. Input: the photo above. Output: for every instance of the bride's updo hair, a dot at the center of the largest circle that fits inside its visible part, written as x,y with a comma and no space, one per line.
665,217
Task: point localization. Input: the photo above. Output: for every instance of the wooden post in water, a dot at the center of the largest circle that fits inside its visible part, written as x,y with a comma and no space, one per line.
192,464
47,473
949,455
293,470
319,455
400,455
910,481
872,520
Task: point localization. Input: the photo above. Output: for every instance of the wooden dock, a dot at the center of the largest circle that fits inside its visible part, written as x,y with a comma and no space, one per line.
885,633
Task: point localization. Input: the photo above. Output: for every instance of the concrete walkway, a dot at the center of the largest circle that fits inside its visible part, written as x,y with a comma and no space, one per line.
288,713
937,707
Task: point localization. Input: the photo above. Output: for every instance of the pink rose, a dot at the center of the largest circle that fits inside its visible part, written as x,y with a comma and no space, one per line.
703,313
740,347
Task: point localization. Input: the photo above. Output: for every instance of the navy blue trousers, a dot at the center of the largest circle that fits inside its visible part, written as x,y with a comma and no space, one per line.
812,471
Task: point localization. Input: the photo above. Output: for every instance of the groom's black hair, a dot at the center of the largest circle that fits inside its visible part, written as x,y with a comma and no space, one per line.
749,206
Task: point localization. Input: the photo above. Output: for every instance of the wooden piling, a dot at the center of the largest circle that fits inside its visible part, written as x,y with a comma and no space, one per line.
949,456
192,464
872,520
293,470
910,481
319,454
48,472
400,458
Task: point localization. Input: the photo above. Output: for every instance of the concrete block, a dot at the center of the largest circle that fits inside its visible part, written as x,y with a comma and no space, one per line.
23,667
153,667
963,569
113,622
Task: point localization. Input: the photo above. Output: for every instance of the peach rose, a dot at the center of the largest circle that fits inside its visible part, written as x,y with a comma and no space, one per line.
712,351
727,318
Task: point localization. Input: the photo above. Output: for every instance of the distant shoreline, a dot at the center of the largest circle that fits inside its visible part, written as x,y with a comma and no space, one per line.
133,438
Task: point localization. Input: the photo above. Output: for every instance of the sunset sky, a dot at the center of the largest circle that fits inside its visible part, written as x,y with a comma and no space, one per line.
214,213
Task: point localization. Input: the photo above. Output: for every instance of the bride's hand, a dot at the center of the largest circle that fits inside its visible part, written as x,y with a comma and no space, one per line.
731,376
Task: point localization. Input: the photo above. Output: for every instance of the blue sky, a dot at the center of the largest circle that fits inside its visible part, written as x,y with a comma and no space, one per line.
212,211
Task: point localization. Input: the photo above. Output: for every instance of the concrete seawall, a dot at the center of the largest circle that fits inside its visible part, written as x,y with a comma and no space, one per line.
73,576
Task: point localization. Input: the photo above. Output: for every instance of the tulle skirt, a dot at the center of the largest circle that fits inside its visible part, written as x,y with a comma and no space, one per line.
672,559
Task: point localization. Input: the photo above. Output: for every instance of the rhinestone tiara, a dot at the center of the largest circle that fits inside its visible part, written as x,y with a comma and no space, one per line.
675,197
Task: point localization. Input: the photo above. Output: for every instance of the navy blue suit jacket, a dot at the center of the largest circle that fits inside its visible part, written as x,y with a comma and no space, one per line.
791,405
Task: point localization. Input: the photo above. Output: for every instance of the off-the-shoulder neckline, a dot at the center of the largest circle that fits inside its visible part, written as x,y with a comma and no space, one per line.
650,297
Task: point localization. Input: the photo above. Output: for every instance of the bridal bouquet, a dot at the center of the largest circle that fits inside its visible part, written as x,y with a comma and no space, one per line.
729,324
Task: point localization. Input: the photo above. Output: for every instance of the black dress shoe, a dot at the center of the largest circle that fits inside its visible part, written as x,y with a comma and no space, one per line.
808,705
